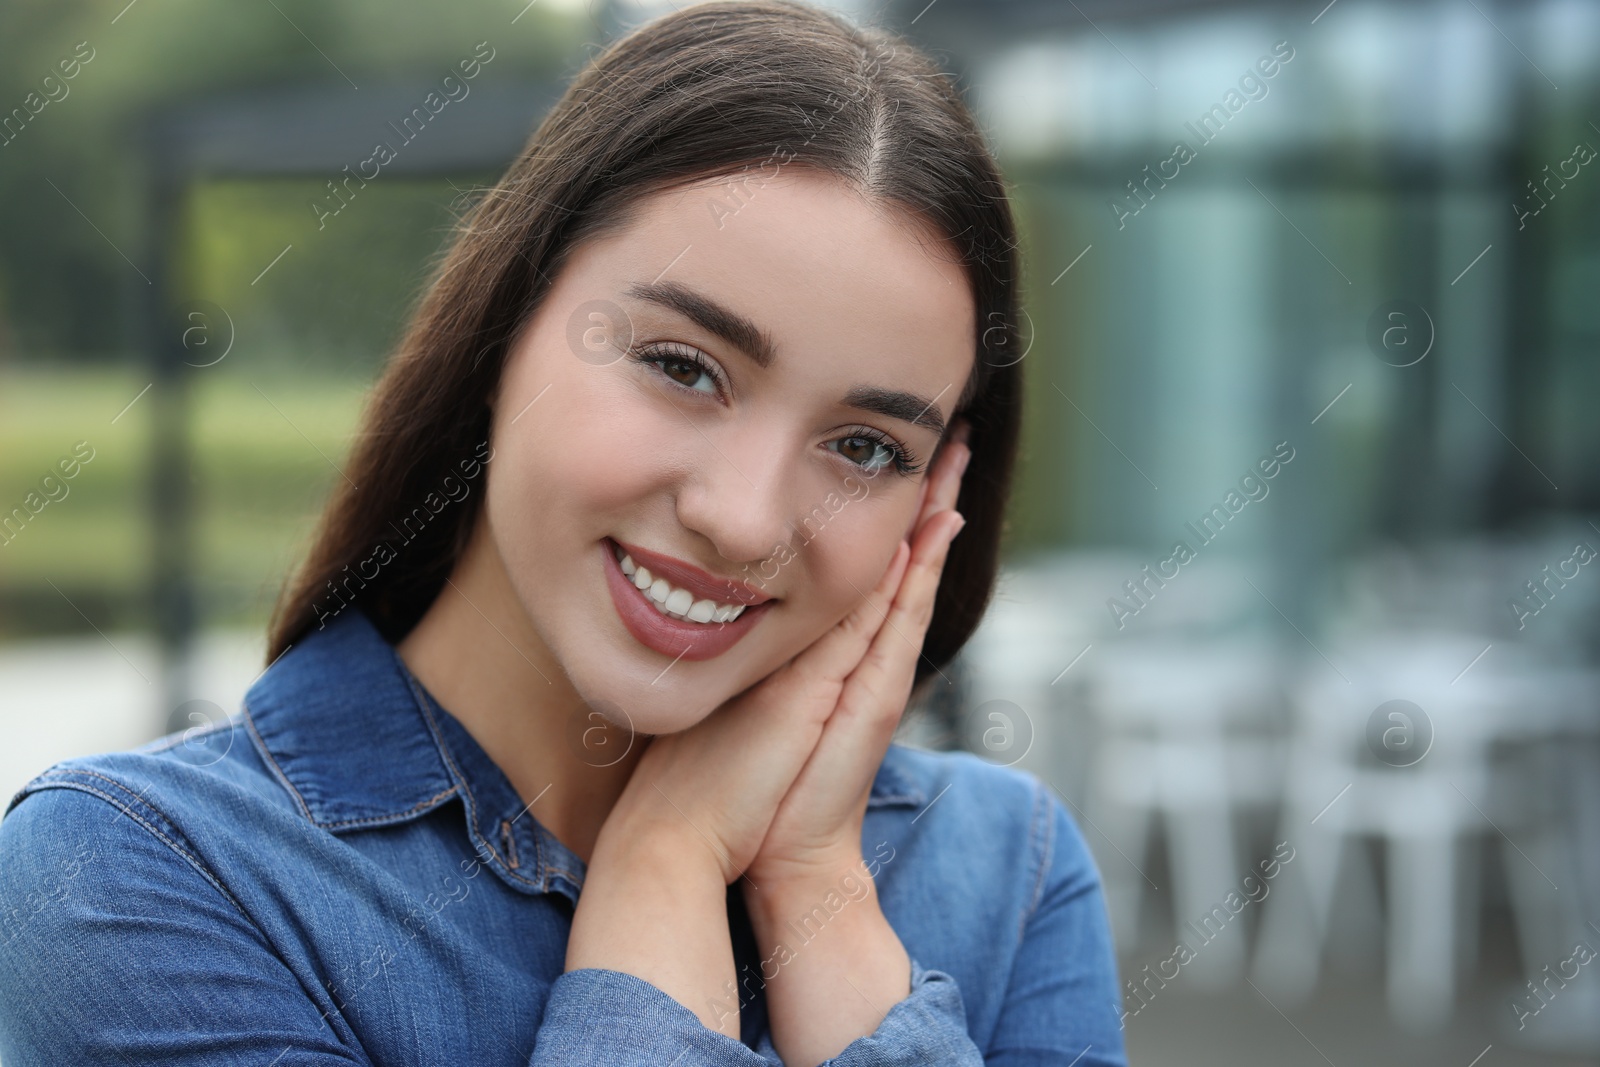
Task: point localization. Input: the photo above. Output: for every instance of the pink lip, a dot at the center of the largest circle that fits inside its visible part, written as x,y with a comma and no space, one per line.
687,576
677,638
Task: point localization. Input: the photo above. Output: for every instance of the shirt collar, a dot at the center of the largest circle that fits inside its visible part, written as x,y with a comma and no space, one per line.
359,743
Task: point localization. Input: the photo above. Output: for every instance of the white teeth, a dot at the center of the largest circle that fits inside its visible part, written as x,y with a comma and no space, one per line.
678,603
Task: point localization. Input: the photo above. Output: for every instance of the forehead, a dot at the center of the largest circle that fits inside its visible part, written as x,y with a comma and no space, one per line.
842,287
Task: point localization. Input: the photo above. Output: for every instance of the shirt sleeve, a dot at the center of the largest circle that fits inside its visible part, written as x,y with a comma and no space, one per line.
602,1016
927,1028
595,1015
1062,1004
1061,1007
118,945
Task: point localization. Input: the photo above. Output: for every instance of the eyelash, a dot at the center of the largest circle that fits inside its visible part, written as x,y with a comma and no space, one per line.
901,458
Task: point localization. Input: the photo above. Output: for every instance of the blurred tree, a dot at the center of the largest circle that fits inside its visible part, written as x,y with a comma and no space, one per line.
70,233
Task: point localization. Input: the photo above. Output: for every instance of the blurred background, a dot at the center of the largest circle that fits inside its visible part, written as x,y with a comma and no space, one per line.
1300,611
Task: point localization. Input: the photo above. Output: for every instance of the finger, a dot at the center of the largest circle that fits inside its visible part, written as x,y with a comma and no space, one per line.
950,484
856,737
944,483
836,652
801,694
963,429
878,684
912,608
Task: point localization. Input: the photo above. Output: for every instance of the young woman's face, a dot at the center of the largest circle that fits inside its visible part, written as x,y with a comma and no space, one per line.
833,339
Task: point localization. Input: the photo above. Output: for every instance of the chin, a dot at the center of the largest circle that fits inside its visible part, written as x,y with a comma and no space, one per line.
644,708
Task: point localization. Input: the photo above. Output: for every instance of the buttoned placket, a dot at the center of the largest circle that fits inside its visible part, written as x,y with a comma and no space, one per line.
505,834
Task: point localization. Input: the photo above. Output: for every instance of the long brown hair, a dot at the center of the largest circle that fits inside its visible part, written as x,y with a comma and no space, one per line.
708,91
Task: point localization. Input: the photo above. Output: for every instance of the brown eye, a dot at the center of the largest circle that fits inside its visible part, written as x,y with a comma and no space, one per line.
860,450
683,366
873,454
682,371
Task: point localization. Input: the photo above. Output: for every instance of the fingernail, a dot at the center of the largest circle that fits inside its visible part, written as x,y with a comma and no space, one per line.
961,464
959,526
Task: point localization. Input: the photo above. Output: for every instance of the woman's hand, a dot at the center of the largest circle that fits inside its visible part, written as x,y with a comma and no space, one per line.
719,784
834,987
703,802
816,831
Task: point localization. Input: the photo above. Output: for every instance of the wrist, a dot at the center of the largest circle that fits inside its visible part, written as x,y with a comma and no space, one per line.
838,964
655,907
809,893
654,847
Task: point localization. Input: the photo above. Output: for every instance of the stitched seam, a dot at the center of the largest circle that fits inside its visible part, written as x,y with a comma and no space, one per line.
1039,796
909,794
398,816
546,865
305,808
128,810
193,860
541,862
272,762
1041,825
466,794
137,798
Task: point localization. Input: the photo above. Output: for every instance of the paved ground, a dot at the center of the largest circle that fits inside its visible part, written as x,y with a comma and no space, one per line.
1346,1026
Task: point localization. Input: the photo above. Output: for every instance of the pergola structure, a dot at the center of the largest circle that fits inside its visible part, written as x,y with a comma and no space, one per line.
301,132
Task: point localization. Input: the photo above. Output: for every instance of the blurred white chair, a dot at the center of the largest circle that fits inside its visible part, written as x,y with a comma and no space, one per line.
1426,813
1187,732
1044,614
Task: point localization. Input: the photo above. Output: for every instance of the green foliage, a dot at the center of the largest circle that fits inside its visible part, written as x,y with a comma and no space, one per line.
344,299
75,256
258,474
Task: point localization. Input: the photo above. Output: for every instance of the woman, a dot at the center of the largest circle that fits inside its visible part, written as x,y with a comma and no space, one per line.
575,745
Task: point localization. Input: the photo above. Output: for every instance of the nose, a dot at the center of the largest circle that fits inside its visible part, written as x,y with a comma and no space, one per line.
740,492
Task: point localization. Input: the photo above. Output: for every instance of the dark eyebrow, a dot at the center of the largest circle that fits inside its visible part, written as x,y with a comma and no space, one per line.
707,314
750,339
908,407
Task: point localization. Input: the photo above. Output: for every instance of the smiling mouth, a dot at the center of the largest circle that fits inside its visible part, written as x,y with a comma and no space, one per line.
670,600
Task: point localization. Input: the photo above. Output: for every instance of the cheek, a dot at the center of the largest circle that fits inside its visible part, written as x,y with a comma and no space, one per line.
851,556
589,448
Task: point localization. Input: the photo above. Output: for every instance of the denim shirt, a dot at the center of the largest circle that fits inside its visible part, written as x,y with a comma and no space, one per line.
338,874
